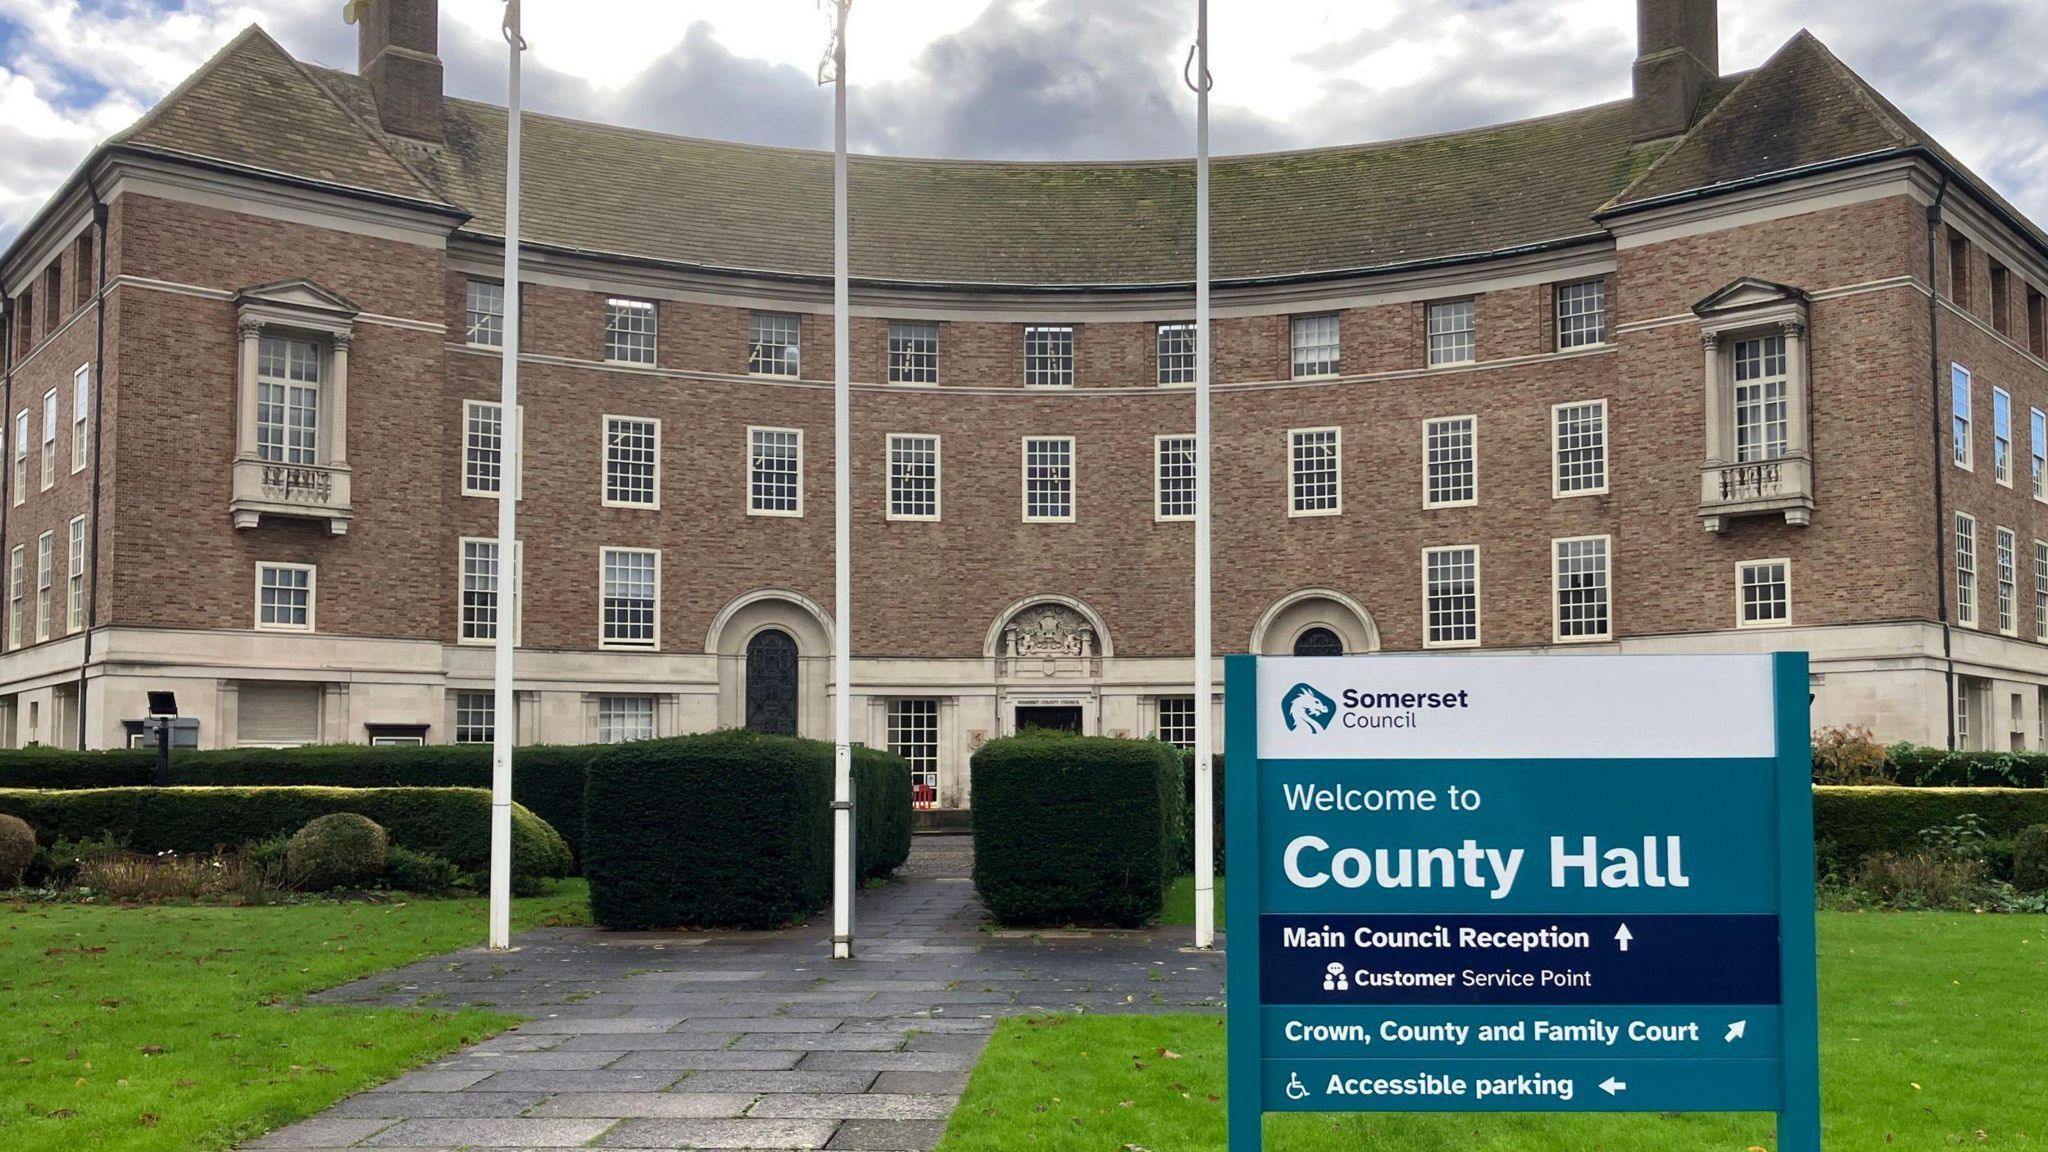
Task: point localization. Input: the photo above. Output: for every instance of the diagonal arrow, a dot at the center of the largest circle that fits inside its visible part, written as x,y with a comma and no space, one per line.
1736,1031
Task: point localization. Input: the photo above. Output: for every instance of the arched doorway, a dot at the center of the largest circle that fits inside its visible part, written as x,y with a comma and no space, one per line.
771,683
1318,642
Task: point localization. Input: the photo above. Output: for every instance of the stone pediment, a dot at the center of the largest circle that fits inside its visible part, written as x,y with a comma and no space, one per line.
1748,294
296,297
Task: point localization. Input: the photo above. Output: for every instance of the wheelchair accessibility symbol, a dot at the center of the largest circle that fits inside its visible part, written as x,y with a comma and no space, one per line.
1296,1090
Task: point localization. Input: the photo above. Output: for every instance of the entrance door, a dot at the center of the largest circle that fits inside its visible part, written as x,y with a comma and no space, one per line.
771,683
1051,718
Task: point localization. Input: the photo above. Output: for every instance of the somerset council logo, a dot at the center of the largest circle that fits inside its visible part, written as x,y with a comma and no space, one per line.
1305,708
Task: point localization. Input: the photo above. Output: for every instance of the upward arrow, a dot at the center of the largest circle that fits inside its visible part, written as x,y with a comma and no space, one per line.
1623,936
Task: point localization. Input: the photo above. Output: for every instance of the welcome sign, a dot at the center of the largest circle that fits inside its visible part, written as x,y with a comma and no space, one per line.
1521,884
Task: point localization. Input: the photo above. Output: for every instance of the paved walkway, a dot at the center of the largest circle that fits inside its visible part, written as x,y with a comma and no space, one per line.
750,1040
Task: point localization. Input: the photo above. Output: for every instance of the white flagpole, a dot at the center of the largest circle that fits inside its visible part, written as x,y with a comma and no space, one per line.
504,712
1205,673
842,514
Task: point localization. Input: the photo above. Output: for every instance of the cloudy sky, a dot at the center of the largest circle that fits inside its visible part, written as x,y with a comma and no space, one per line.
1037,78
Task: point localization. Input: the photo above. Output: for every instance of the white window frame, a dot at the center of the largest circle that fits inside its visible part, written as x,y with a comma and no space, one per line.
74,576
1294,494
518,583
1558,491
1429,431
1771,389
1742,569
605,642
1159,463
753,459
652,711
2037,424
483,733
1071,479
606,460
17,593
294,396
46,578
1557,589
20,457
1445,341
911,728
1965,529
2001,437
1166,349
2041,597
620,338
907,356
787,328
49,460
1178,704
518,486
312,596
81,409
1569,338
2005,578
490,321
1961,421
1478,599
890,443
1043,369
1306,346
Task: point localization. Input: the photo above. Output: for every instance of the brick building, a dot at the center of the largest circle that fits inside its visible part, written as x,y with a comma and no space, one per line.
1742,363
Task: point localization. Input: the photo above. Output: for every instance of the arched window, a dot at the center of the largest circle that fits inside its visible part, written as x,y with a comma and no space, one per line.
1318,642
771,683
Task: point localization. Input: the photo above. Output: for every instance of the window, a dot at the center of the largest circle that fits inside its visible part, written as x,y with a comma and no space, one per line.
1049,479
1315,485
1453,333
631,612
1317,344
632,462
629,331
486,314
1959,410
1450,593
2001,299
49,459
1450,449
81,407
1965,689
2008,609
914,735
624,718
17,578
476,717
74,578
775,472
775,344
1048,357
1174,476
1763,594
45,545
483,448
1177,720
913,477
1579,461
21,456
2001,436
284,597
913,353
1318,642
1582,314
480,585
2041,591
2038,424
396,735
1176,353
1966,570
1760,399
287,401
1584,603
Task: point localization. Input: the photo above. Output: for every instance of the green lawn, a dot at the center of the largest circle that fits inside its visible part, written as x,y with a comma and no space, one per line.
1180,904
124,1030
1932,1036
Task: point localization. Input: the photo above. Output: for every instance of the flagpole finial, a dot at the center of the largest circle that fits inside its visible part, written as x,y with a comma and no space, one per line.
835,47
512,30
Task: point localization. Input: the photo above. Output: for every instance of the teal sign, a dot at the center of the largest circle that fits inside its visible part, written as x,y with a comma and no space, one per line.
1521,884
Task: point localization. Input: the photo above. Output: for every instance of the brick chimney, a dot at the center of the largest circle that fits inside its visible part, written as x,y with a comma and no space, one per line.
1678,53
398,53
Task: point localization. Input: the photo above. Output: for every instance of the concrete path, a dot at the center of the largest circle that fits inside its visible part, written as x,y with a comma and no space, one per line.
750,1040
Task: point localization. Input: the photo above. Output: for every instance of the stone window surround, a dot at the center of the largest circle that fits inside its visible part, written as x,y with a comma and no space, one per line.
1726,318
301,310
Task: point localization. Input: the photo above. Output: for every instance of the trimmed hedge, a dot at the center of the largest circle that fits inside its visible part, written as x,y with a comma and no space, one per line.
730,829
1939,768
1187,775
1077,829
452,823
1853,824
547,779
2030,859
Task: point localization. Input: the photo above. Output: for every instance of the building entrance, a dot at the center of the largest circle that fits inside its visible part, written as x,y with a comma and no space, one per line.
1053,718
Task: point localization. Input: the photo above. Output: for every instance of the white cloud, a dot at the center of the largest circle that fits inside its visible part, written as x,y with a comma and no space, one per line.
1038,78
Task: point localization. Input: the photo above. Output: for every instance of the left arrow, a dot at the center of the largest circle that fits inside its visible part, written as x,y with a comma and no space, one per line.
1613,1087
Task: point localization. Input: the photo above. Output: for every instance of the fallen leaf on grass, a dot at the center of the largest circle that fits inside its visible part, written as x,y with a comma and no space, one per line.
151,1049
1168,1054
148,1119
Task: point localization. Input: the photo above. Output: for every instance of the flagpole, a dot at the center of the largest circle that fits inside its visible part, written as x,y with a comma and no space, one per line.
1205,687
504,712
842,514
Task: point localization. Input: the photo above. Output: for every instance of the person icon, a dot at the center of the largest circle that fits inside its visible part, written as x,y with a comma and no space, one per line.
1335,980
1296,1090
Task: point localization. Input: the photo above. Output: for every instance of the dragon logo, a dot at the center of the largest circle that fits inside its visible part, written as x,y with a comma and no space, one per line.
1304,708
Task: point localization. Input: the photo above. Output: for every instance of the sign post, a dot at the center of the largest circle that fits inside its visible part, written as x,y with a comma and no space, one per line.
1521,884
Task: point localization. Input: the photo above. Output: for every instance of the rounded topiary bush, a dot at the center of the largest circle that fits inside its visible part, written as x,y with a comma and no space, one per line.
2030,860
17,849
342,850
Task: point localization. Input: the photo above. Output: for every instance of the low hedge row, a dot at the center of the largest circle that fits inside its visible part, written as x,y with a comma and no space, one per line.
730,829
547,779
452,823
1853,824
1077,830
1939,768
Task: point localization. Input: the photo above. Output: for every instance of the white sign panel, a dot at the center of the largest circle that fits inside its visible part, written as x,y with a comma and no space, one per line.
1515,707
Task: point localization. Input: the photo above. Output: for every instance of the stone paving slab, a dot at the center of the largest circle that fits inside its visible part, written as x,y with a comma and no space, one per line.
860,1106
655,1105
490,1133
727,1061
889,1135
758,1134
